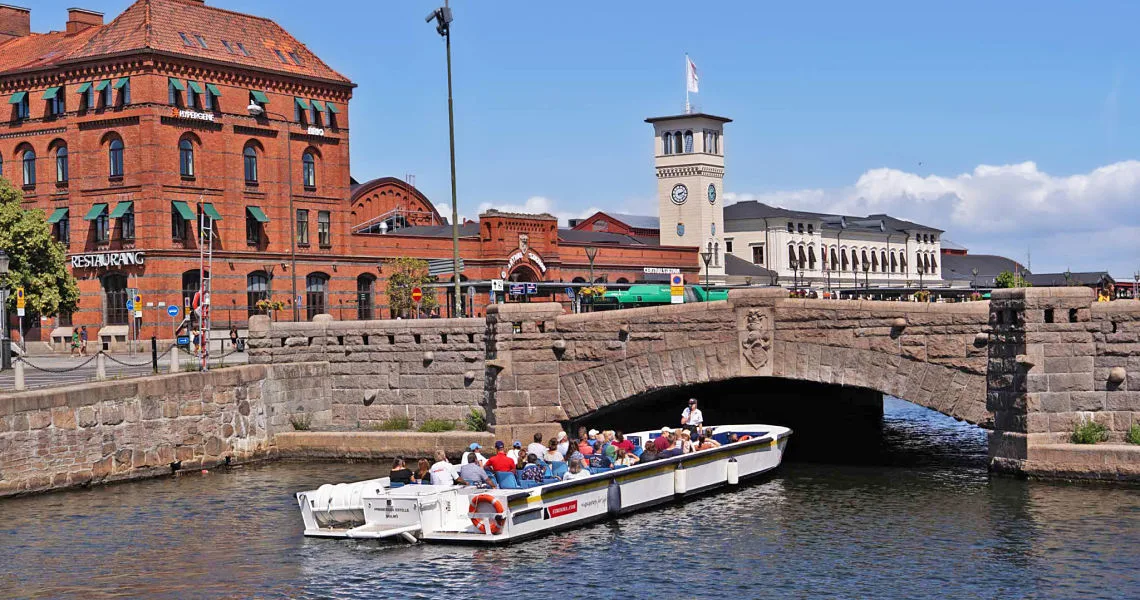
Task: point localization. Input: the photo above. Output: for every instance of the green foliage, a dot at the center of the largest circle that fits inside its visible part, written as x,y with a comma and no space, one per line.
405,273
922,296
437,425
1089,432
393,424
1133,436
38,262
476,420
1006,279
302,422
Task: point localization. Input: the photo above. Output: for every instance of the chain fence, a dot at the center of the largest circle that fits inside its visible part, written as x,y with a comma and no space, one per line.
55,370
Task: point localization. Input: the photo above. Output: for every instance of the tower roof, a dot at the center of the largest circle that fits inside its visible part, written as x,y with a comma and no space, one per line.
689,116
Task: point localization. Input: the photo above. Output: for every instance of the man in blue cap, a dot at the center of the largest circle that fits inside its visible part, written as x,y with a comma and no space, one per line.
500,462
474,448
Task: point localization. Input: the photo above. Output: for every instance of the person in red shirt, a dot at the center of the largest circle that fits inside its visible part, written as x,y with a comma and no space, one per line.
500,462
624,444
662,442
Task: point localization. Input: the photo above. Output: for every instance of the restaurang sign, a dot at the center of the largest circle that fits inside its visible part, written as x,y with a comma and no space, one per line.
107,259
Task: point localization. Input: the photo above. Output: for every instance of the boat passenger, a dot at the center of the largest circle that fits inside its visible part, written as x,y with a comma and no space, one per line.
443,472
472,473
563,443
609,448
733,438
423,471
552,454
515,450
584,447
501,462
400,472
536,447
474,448
581,433
532,471
650,453
621,442
662,442
685,443
706,443
592,436
577,457
576,471
692,418
625,459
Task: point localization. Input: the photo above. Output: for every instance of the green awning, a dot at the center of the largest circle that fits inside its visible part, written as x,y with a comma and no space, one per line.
121,209
121,83
96,211
213,89
17,98
83,88
183,209
259,96
301,102
333,109
102,85
57,215
211,211
195,87
258,214
317,104
51,92
176,84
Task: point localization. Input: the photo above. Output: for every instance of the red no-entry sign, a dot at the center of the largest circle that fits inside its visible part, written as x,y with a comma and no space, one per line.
417,294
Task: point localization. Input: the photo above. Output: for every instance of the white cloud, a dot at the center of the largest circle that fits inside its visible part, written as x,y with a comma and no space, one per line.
1083,221
538,205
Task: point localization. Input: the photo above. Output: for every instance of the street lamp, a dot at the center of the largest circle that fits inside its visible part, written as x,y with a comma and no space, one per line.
1068,277
442,17
1135,284
707,257
591,252
974,272
256,110
5,347
866,275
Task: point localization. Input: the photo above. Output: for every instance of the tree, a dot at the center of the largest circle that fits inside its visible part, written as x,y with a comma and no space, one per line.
404,274
1006,279
38,263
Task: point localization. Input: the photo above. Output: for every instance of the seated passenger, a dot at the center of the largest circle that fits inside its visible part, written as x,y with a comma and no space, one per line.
576,472
686,442
400,472
733,438
662,442
515,450
624,459
532,471
584,447
705,443
536,447
423,472
443,472
500,462
621,442
474,474
563,443
650,453
474,448
593,438
552,454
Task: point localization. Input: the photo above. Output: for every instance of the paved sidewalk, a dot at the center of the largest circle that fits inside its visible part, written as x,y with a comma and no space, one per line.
41,371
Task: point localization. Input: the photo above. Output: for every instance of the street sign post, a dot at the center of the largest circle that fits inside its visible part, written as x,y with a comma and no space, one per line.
417,297
172,310
516,289
20,313
531,288
676,289
496,285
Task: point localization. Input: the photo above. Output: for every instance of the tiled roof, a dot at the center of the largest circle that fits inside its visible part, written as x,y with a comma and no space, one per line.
638,221
156,24
958,267
751,209
736,266
1059,280
597,237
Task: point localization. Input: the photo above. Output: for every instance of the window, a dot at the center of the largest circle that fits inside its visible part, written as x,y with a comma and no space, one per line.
803,259
243,50
191,284
688,141
324,235
728,246
874,261
296,59
316,294
115,158
62,228
810,228
883,260
185,39
127,225
174,91
115,299
667,140
102,228
309,170
186,158
843,256
252,228
201,41
791,257
61,174
23,107
364,296
811,257
124,87
227,46
791,227
316,114
55,101
29,163
177,224
250,160
894,263
256,290
677,142
280,56
303,226
800,227
918,262
106,94
193,95
87,96
834,258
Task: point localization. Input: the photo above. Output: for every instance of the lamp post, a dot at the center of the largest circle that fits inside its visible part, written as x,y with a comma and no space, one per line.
255,110
827,273
5,347
591,252
707,257
795,265
1068,277
866,276
974,272
1135,285
442,17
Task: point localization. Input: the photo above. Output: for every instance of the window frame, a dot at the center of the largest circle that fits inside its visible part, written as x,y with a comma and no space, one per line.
186,158
126,225
324,228
62,165
758,250
316,294
24,108
309,169
249,164
115,158
115,301
365,288
62,230
28,167
102,225
302,224
253,280
177,225
253,230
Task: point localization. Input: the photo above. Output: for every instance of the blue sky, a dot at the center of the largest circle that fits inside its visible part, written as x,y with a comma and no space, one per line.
1011,125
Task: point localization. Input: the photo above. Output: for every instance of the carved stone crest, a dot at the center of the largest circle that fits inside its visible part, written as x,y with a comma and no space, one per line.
524,242
757,338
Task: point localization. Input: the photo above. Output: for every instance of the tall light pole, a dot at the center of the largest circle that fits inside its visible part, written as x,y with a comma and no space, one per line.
5,347
707,257
866,276
256,110
974,272
795,273
591,252
1135,285
442,17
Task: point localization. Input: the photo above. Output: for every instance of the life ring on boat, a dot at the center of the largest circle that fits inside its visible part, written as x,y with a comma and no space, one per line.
198,307
496,523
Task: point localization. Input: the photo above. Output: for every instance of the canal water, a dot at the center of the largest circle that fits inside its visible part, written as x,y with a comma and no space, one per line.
916,516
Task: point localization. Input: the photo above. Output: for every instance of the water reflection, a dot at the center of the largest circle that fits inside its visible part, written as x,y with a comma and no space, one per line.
914,516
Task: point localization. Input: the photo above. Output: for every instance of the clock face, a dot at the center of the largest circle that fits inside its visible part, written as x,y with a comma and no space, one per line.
680,194
712,194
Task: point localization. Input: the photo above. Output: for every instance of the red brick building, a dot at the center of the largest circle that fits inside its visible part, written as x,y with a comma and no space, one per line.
131,135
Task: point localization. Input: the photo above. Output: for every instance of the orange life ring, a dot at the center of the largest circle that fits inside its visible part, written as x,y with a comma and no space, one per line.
496,522
197,301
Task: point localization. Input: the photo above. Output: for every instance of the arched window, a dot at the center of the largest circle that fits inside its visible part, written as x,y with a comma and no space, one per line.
834,258
791,257
309,169
883,260
933,263
115,299
256,290
688,142
667,139
874,261
843,253
803,259
677,144
902,262
61,166
115,158
863,258
249,159
622,280
811,257
716,254
854,259
191,284
186,158
894,262
316,294
918,262
29,162
365,285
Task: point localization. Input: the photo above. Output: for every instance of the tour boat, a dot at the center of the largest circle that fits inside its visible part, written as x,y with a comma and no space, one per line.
375,509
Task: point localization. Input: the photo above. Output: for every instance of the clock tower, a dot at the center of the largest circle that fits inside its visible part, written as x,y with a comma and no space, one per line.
689,158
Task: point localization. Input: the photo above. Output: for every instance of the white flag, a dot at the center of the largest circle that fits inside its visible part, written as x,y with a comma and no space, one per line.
691,76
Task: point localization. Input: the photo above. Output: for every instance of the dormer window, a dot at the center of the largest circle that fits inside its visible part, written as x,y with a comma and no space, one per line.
810,228
791,227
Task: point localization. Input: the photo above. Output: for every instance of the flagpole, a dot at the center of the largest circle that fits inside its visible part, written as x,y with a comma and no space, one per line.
688,107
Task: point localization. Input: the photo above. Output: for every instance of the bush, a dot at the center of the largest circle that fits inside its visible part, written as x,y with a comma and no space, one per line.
476,420
302,422
1133,436
1090,432
394,424
437,425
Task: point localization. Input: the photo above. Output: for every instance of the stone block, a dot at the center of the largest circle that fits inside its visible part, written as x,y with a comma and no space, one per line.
1088,401
39,419
63,418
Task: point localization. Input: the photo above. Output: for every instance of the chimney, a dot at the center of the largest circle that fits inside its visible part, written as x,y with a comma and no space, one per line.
79,19
15,21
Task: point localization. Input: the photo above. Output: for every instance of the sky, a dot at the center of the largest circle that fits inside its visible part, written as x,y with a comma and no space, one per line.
1010,125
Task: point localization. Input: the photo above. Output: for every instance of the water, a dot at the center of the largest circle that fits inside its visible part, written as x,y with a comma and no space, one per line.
919,517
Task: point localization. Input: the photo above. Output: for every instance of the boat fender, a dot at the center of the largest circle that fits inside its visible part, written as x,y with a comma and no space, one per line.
680,482
733,469
481,523
613,497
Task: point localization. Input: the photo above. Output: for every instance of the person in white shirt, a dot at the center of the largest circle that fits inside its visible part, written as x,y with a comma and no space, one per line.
576,472
563,443
443,472
513,453
474,448
691,417
536,447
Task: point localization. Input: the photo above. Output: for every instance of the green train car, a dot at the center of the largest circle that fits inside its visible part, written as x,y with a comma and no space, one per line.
653,295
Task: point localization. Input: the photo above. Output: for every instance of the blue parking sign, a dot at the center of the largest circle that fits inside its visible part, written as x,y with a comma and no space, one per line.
172,310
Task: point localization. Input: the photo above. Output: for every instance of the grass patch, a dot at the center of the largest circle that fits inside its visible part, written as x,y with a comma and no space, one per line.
1089,432
302,422
476,420
393,424
437,425
1133,436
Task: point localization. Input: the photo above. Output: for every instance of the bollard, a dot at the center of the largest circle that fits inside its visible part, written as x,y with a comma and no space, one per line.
19,383
154,354
100,366
174,351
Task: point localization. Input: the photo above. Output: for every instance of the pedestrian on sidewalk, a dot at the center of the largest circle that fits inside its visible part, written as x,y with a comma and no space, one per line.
74,342
83,341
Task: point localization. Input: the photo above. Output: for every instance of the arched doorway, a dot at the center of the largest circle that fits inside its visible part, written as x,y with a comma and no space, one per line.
523,274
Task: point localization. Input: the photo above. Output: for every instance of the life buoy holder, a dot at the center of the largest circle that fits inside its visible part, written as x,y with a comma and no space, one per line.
481,523
196,304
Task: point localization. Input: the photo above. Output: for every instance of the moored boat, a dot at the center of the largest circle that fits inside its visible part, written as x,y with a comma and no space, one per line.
378,509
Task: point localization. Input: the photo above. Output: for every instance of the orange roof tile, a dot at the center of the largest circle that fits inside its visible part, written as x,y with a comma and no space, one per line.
156,24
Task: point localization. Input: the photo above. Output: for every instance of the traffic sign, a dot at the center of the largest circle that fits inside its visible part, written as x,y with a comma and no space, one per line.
531,288
676,280
417,294
496,285
517,289
570,294
20,297
676,289
172,310
130,303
